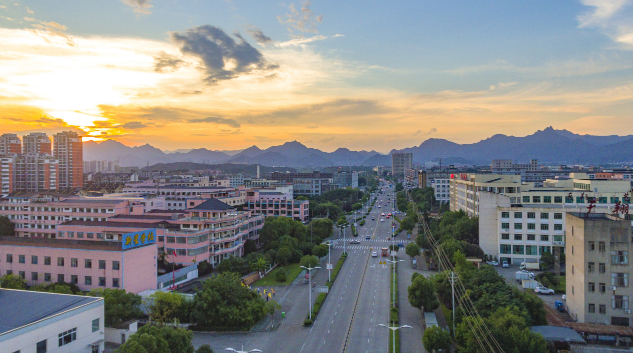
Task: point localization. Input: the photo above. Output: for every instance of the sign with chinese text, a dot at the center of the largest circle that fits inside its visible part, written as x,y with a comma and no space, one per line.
136,239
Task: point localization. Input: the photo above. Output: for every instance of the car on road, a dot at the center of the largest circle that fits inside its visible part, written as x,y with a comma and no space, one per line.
382,219
401,245
374,254
367,237
543,290
354,242
373,218
493,263
382,214
505,264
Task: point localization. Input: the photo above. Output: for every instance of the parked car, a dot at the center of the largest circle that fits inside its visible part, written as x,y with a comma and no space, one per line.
374,254
493,263
505,264
543,290
354,242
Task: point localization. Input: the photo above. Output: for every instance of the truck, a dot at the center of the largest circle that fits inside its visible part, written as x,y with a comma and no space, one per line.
530,283
384,252
529,266
521,275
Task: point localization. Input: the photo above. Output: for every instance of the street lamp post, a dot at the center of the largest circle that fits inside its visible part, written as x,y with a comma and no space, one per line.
310,286
242,351
329,261
393,329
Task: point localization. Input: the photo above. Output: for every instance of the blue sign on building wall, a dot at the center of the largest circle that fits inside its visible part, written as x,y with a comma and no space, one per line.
136,239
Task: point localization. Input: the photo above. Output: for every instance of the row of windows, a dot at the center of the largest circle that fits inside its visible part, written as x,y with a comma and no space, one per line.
578,199
531,215
35,276
80,235
617,302
531,226
531,237
524,249
74,262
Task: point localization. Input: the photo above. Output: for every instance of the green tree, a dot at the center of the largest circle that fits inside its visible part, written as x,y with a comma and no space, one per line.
436,339
234,264
301,198
12,281
119,305
155,339
412,249
320,250
270,308
7,228
249,246
284,255
205,348
309,261
260,265
421,293
163,307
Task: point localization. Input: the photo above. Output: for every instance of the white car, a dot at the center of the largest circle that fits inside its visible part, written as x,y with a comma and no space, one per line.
543,290
382,219
374,254
505,264
493,263
382,214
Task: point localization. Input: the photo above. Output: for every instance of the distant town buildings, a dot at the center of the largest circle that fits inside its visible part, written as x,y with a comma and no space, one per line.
400,162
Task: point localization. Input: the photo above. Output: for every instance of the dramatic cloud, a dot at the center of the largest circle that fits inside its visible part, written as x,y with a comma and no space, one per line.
134,125
165,61
611,17
259,37
304,21
223,57
216,120
140,6
51,31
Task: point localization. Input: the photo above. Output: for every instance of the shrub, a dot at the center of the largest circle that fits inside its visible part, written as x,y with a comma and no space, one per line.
307,322
280,276
393,315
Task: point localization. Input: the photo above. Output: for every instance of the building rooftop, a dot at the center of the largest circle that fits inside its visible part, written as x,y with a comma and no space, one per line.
156,216
142,225
21,307
91,200
558,334
63,243
212,205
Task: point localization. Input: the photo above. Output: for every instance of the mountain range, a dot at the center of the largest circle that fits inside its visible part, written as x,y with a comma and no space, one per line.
549,146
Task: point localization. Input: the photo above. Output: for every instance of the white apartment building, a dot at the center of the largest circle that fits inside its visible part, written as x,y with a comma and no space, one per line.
442,189
236,180
464,191
39,322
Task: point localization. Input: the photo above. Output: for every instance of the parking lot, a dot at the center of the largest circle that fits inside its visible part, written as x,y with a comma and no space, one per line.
510,276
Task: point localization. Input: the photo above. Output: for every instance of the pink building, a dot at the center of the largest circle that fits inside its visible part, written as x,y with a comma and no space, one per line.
88,264
277,204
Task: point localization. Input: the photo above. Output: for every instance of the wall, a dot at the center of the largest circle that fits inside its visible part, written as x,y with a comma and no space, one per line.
113,335
139,269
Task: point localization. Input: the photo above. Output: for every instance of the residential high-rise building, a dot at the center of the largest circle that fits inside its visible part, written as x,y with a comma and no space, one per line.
36,142
400,162
35,172
69,151
598,269
10,143
7,174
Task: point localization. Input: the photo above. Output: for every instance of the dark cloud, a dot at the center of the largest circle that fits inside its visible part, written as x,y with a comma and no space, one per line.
165,61
259,37
134,125
216,120
216,49
431,131
140,6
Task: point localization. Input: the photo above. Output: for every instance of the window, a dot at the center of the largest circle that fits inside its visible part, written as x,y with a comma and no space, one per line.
34,259
601,246
73,262
620,279
558,216
531,250
558,227
80,235
181,240
505,249
536,199
531,215
526,199
591,287
9,258
505,236
531,226
603,309
602,200
503,226
591,267
171,240
102,281
60,261
88,263
620,302
518,237
95,325
558,199
547,199
592,308
544,215
22,259
518,226
67,337
90,235
591,245
518,214
33,276
88,280
115,265
602,287
531,237
41,347
115,282
71,234
102,264
47,277
60,278
619,257
518,249
22,274
601,268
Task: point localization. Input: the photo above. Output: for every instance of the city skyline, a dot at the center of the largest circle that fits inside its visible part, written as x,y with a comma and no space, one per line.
227,75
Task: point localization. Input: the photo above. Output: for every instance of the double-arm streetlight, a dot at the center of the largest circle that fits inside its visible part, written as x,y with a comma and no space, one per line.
329,261
310,286
393,329
242,351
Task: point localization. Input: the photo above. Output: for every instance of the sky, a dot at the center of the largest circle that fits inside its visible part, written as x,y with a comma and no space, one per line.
365,75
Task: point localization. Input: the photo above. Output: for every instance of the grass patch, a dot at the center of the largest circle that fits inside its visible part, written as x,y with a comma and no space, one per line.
394,315
292,271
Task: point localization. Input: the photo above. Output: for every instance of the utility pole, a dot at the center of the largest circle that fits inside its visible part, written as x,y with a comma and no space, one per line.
453,289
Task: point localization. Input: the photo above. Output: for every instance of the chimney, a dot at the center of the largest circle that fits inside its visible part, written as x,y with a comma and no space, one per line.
258,171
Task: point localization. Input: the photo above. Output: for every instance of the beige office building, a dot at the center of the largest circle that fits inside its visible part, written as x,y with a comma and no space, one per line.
598,269
465,188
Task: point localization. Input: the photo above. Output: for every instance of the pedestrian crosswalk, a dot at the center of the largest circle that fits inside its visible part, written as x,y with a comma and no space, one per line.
382,240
